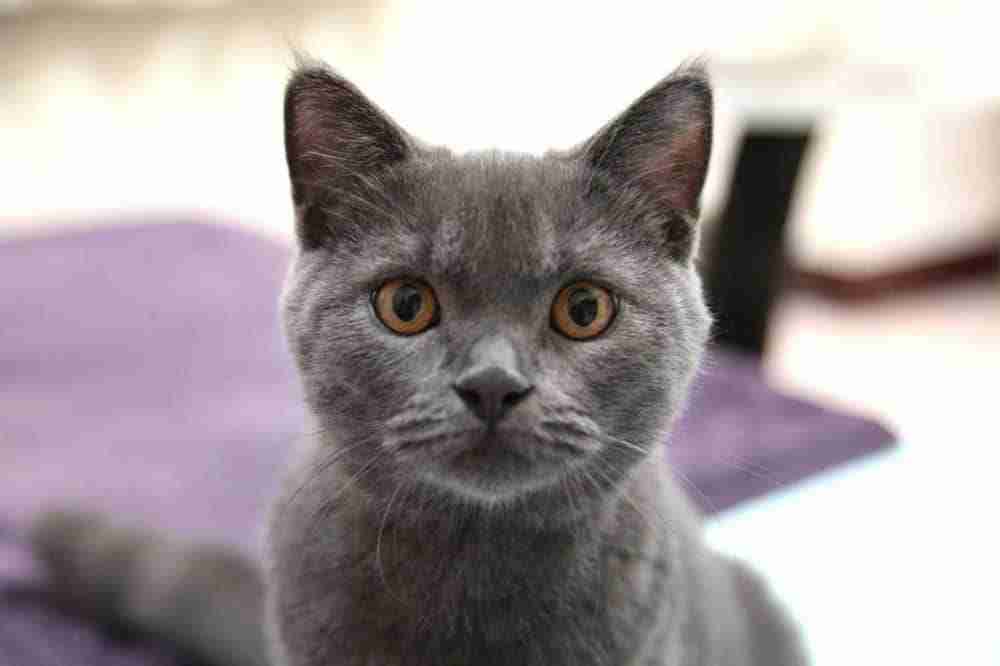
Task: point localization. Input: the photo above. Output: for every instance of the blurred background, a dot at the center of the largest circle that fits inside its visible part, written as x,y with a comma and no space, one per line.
855,180
119,108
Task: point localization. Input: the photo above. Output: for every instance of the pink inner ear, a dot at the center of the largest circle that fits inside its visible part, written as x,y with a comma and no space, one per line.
311,135
673,168
320,132
334,133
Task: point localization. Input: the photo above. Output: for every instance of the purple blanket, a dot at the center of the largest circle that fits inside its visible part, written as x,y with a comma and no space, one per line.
142,372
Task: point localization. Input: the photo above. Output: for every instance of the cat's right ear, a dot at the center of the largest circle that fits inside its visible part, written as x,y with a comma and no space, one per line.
336,141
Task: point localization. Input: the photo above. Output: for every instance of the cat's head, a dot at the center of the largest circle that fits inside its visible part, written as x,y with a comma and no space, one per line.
494,327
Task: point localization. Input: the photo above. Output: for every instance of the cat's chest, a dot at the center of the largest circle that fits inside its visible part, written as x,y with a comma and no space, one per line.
526,631
471,611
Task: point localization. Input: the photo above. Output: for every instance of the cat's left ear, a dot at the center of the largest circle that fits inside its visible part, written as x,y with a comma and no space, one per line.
660,146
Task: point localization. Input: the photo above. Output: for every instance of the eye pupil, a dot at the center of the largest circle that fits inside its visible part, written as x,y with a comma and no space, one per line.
407,302
583,307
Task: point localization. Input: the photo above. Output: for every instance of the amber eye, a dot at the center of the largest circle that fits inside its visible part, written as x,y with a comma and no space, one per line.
583,310
406,307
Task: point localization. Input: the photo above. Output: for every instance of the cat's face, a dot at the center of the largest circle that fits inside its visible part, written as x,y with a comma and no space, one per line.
493,327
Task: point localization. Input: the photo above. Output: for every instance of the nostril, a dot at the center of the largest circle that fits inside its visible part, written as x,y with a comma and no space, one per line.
514,397
471,398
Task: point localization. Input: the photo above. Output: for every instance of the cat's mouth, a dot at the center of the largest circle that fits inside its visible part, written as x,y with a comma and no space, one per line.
493,463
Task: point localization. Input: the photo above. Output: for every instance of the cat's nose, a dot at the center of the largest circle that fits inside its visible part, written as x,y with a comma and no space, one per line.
491,385
491,392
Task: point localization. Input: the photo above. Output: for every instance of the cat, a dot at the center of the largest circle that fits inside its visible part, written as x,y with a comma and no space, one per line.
493,348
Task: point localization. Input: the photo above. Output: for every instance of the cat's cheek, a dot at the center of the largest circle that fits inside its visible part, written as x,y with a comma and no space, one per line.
394,369
629,378
559,369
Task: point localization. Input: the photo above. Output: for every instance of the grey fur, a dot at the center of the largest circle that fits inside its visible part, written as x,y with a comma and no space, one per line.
408,532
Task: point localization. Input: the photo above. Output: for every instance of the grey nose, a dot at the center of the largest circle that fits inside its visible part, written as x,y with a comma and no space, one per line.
490,393
491,385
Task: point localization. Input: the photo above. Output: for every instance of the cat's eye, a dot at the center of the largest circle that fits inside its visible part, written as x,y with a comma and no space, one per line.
583,310
406,307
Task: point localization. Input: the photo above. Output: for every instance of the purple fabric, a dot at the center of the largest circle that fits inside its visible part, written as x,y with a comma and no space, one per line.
739,438
142,373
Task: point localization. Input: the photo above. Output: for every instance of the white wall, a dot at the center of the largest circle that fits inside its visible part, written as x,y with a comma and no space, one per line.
131,108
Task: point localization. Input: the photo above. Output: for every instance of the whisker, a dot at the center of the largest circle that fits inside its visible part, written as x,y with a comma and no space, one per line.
318,469
625,495
328,505
624,442
399,423
603,468
708,503
564,484
378,544
753,469
596,483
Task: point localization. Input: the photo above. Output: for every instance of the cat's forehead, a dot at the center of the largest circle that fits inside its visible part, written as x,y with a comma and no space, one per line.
499,227
495,215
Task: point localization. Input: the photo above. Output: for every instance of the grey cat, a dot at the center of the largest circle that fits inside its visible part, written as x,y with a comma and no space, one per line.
493,349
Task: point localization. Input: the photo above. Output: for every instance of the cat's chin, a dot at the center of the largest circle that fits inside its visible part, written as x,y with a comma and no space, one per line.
492,471
487,489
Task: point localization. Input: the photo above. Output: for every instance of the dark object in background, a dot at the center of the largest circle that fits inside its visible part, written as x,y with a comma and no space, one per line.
744,256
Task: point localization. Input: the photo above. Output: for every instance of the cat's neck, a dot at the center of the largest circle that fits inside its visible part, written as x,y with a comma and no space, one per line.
499,573
469,582
483,552
500,550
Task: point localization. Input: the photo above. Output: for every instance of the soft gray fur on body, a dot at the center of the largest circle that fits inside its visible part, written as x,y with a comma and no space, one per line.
426,523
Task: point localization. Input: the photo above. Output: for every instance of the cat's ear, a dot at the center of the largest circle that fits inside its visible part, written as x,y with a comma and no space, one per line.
336,140
660,147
